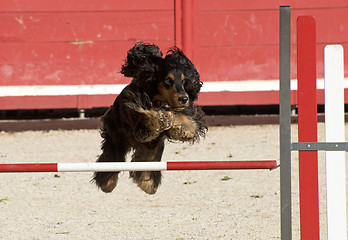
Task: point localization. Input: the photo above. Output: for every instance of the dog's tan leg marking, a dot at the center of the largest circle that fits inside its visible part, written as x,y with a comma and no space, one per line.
155,123
146,183
110,185
184,128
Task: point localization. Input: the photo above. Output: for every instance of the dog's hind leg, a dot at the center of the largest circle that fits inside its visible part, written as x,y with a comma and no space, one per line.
107,181
148,181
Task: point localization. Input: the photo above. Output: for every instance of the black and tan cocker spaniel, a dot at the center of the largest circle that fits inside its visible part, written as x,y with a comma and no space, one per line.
157,105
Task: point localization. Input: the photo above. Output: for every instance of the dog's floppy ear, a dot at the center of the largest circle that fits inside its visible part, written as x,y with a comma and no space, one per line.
192,84
142,59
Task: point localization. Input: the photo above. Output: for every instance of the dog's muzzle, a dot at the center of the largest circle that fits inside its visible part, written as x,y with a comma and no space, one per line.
183,99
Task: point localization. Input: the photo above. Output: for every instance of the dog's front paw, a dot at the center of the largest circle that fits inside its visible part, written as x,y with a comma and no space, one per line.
166,119
152,123
183,133
183,129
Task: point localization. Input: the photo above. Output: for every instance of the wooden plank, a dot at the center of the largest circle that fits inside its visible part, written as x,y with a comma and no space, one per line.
66,53
52,102
227,5
51,124
237,28
62,63
334,132
57,74
30,74
249,62
237,63
83,5
261,28
42,102
307,128
76,27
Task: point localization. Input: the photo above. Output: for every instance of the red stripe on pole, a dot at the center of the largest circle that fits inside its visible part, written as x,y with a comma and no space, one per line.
221,165
307,127
29,167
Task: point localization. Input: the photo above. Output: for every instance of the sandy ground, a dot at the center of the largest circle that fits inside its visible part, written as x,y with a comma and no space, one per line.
188,204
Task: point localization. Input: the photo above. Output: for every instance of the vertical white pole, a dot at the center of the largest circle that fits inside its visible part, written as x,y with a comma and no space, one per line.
334,131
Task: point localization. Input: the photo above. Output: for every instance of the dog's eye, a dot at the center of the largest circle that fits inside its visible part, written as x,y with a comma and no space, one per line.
168,81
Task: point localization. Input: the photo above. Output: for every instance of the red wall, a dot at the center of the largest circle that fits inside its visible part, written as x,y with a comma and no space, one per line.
84,43
239,40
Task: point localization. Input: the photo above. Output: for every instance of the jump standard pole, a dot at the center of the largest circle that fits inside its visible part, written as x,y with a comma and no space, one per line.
285,121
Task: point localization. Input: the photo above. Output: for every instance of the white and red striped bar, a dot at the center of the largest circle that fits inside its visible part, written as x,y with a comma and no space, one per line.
136,166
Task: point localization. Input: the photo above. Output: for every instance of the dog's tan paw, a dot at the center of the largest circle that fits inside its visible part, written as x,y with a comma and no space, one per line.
144,182
110,184
166,120
188,131
148,186
184,129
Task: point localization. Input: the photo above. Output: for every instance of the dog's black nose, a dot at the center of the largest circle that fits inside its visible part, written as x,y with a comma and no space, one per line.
183,99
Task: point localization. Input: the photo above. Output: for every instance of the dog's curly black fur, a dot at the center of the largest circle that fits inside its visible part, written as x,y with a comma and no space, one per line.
158,104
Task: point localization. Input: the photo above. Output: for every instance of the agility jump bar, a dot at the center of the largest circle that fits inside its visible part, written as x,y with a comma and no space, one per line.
136,166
